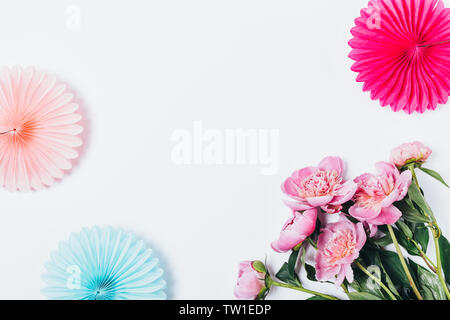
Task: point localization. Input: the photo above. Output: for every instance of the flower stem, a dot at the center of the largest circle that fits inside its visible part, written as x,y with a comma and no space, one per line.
403,262
311,241
436,232
344,287
439,267
425,258
299,288
381,284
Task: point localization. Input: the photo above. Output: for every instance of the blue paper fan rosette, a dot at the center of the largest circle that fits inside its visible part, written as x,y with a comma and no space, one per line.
103,264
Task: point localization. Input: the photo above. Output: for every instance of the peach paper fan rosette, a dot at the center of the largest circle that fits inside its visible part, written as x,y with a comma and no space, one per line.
402,53
38,129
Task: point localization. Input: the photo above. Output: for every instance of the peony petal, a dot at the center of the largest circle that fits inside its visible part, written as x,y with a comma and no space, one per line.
319,201
304,173
332,208
387,168
297,206
345,193
362,213
372,229
290,188
295,230
404,181
390,199
305,222
340,276
348,273
332,163
325,236
288,240
389,215
360,236
325,273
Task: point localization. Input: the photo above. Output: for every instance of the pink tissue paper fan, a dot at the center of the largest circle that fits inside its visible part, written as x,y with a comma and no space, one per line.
38,129
402,53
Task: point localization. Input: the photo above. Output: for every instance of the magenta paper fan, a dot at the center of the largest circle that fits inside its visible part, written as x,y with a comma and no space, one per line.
38,129
402,53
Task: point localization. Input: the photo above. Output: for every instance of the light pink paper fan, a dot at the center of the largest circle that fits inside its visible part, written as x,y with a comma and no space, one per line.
38,130
402,53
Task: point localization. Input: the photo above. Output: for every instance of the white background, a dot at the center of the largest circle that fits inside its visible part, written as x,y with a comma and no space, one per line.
142,69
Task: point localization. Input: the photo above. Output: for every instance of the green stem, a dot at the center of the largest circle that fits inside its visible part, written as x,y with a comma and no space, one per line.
299,288
343,286
436,231
381,284
297,247
311,241
425,258
403,262
439,268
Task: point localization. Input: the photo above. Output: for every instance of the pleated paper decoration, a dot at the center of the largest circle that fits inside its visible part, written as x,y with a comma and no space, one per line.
402,53
103,264
38,129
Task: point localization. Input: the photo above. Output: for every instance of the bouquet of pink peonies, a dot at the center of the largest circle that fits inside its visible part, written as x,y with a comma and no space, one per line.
353,227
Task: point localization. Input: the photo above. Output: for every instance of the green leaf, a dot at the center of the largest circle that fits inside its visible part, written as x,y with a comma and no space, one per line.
444,247
287,272
303,256
394,269
404,241
366,284
317,298
390,285
384,241
310,272
375,266
428,283
435,175
415,194
422,236
315,235
262,294
363,296
403,227
410,213
259,266
355,284
268,280
293,258
285,276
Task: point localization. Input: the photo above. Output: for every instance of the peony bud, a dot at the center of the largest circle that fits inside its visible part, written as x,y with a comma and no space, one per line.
250,281
415,152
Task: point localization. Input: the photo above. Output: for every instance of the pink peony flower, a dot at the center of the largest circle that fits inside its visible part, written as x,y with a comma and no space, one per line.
410,152
296,230
250,282
376,194
338,246
321,186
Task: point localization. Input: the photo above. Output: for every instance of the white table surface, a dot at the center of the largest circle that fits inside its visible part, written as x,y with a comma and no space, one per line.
144,69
